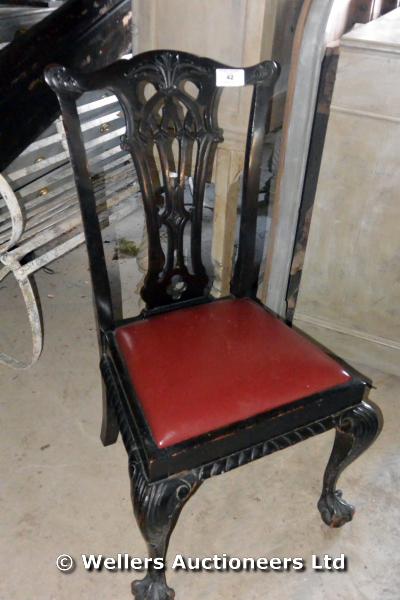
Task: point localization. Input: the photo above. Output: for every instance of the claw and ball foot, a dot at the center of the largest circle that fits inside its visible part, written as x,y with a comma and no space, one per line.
157,507
356,430
335,511
151,589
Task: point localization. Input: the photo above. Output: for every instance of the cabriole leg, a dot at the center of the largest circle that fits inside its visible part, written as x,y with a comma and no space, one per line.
157,507
356,429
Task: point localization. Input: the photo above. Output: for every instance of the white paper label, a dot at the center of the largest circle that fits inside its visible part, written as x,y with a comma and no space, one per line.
229,77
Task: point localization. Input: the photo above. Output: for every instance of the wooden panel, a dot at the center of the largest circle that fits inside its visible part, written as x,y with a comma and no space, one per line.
342,19
351,272
229,166
299,113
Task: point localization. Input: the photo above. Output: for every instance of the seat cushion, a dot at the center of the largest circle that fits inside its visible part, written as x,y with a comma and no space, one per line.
199,369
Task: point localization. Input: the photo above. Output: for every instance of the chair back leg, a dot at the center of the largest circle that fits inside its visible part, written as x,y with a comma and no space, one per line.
109,424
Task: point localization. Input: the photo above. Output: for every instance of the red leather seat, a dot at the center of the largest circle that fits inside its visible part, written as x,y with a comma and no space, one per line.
202,368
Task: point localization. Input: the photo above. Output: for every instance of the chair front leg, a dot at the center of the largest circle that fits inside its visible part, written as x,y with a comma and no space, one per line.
157,507
356,430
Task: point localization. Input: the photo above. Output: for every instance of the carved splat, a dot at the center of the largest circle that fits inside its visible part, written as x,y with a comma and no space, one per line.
172,136
170,103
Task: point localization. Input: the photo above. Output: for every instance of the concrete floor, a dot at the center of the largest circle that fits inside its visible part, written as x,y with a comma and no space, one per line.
62,492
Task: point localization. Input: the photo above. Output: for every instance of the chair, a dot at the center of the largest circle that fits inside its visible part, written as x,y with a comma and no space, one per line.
199,386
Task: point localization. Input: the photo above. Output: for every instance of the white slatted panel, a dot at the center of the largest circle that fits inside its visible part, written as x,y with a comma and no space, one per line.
42,176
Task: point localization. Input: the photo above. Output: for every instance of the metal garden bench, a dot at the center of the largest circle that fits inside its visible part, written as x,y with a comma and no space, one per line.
39,209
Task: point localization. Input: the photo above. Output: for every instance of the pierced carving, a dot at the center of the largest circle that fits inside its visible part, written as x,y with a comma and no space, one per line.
356,429
172,136
170,103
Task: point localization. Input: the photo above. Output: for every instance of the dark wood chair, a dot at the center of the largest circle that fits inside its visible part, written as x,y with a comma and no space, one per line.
199,386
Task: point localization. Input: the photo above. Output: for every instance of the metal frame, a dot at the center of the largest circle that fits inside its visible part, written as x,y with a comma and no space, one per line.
35,215
40,221
162,480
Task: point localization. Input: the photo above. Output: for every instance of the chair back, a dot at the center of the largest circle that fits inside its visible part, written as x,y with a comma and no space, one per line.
170,103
